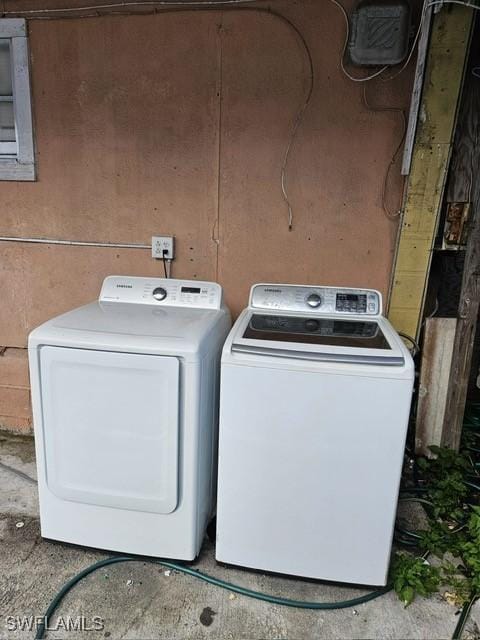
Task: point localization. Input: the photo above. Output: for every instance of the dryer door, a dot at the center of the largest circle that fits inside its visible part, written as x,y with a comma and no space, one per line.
110,426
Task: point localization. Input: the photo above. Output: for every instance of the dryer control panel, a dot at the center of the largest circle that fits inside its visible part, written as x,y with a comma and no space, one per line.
166,292
309,299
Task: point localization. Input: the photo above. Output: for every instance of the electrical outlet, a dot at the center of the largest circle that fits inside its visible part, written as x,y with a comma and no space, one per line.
163,247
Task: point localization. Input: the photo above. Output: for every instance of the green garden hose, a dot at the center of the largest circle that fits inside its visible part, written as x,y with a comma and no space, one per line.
408,537
258,595
467,607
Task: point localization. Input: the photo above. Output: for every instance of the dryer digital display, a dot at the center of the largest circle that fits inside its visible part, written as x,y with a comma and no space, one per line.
190,289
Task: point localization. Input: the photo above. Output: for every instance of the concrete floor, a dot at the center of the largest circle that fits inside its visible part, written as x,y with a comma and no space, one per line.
140,600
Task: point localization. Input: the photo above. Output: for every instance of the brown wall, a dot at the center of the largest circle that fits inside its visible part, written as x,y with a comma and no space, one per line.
177,124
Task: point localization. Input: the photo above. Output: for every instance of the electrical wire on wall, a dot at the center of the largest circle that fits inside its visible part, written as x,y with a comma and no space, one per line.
127,3
423,14
392,215
165,6
344,49
297,122
34,13
193,5
208,4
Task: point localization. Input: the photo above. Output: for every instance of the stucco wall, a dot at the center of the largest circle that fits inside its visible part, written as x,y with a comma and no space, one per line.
177,124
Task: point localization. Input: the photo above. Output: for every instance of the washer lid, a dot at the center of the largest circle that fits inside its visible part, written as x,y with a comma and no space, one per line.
323,338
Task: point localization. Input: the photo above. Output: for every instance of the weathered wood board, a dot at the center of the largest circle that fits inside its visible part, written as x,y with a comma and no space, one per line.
437,350
467,180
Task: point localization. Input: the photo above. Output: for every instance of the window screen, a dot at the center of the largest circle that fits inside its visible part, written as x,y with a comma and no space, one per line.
17,158
7,117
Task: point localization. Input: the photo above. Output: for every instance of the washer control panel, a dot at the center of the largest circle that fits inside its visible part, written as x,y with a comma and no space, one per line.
166,292
324,300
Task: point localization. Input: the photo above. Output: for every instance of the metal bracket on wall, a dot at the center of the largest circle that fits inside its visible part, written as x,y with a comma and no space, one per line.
456,225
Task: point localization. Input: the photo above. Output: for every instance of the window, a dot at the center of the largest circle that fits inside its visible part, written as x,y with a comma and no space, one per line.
16,133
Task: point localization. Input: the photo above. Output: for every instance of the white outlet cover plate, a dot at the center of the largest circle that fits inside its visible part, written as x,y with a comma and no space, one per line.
161,244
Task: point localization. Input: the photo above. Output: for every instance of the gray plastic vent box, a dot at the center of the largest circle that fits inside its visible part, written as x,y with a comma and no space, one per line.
379,33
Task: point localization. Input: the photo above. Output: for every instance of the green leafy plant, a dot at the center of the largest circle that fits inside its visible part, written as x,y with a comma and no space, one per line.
437,538
411,576
445,481
470,550
451,500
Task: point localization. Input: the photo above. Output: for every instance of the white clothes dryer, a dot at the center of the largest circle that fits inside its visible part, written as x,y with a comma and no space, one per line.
125,400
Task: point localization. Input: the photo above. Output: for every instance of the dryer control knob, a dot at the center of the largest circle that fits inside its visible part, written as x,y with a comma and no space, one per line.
314,300
159,293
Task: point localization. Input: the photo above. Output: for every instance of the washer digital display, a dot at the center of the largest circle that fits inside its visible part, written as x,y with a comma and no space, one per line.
353,302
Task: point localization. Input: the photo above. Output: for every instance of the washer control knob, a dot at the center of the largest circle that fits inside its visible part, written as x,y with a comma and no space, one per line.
159,293
314,300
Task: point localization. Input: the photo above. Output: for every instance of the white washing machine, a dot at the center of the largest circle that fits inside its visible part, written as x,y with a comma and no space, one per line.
314,404
125,399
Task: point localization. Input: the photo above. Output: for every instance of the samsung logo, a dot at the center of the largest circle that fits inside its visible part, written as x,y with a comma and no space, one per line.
272,290
124,286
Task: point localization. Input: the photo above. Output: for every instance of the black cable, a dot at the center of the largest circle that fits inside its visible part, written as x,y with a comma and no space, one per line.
164,265
415,344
